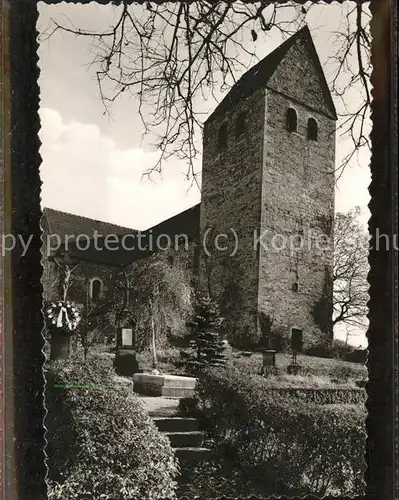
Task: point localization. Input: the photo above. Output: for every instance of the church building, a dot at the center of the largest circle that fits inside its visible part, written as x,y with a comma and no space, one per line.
261,238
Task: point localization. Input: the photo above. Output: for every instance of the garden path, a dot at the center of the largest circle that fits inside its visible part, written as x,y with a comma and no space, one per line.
160,406
184,433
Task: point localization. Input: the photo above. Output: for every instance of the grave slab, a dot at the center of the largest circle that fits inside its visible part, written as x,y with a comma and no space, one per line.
172,386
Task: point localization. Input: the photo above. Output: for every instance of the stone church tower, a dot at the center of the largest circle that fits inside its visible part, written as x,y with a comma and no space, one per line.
267,204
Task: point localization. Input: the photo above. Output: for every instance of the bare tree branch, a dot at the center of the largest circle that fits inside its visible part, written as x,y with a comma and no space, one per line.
352,61
176,56
350,294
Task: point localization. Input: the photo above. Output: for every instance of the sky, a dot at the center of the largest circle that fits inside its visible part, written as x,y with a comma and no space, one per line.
92,165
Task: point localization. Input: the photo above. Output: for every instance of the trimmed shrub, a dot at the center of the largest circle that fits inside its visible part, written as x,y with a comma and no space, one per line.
293,447
101,442
323,396
217,479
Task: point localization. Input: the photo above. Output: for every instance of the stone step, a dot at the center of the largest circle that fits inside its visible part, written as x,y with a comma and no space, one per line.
185,439
176,424
193,455
162,413
160,406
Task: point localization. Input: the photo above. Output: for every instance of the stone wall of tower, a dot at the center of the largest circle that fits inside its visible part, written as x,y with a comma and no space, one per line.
272,183
231,189
295,285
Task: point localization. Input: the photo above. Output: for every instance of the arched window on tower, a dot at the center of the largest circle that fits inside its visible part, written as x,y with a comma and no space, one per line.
292,120
96,287
241,125
312,129
222,138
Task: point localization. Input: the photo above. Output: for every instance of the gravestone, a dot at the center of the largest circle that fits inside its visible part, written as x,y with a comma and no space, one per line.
297,340
297,346
126,363
268,362
228,350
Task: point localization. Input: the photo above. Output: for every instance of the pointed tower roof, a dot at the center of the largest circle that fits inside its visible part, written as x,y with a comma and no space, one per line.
259,75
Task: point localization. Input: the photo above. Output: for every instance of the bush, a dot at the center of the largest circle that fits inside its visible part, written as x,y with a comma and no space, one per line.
357,356
331,349
319,351
217,479
295,448
125,363
188,407
101,442
281,340
340,349
343,372
169,361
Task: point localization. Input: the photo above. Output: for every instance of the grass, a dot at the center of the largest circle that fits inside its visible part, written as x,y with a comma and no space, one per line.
315,373
306,382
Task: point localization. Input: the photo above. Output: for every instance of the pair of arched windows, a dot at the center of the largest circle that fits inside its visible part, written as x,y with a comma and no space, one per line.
292,125
239,131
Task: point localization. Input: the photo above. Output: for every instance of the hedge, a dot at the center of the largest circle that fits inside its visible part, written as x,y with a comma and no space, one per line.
323,396
292,447
101,442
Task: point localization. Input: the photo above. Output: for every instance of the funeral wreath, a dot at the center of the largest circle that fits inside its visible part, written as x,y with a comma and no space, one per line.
62,315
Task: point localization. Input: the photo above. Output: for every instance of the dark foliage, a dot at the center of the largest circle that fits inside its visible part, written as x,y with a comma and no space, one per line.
207,347
126,363
189,407
336,348
101,442
206,315
357,356
293,448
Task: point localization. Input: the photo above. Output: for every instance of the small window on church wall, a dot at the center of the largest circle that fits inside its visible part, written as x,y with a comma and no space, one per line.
292,120
96,289
222,142
312,129
241,125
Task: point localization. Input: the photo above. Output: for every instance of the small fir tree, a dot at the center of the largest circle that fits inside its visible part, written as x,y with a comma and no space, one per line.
207,346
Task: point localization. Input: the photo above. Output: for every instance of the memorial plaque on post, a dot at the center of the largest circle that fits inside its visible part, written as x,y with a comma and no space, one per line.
125,338
125,360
